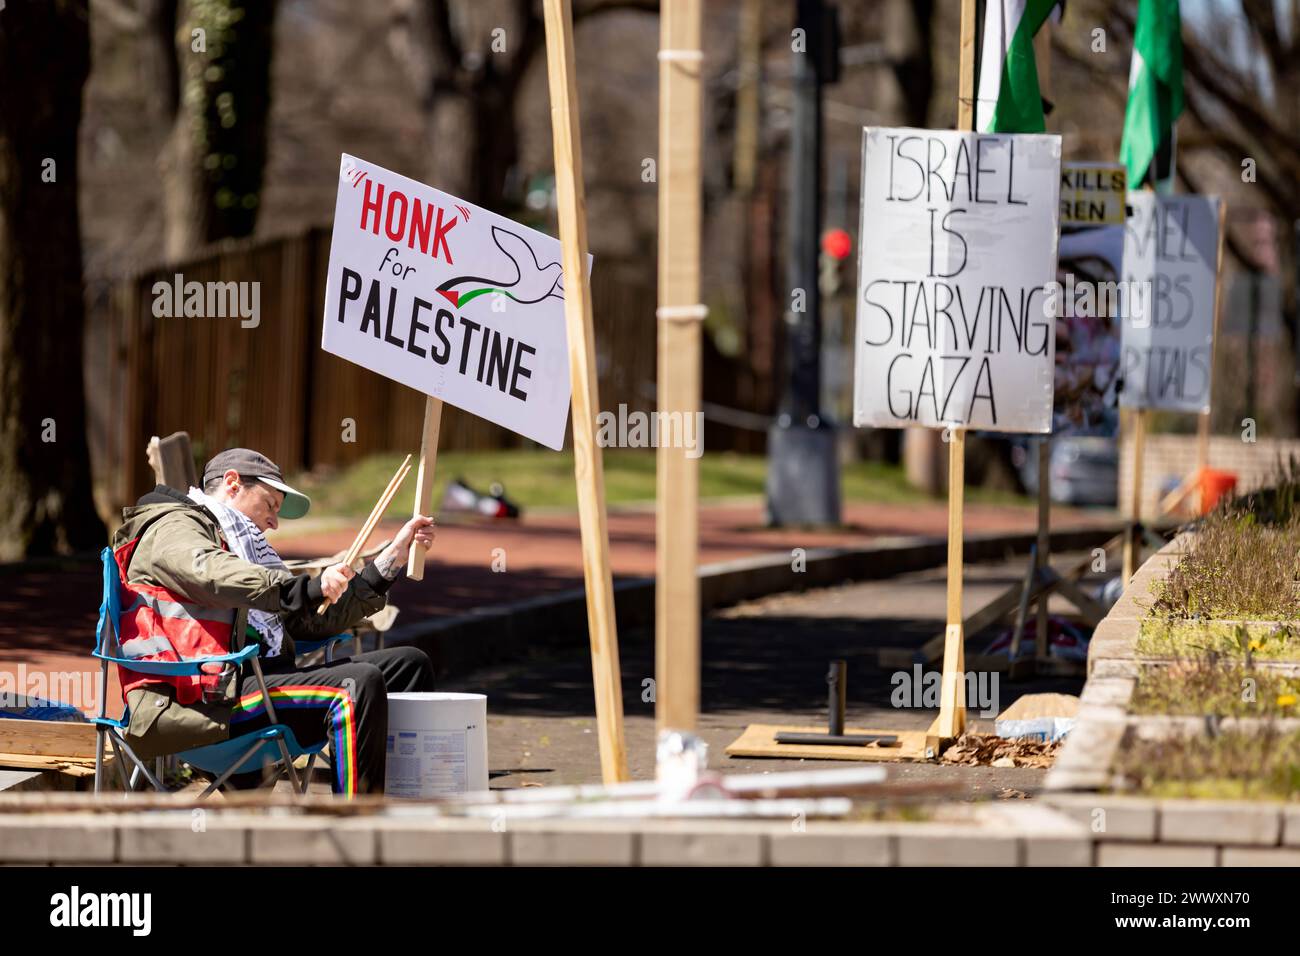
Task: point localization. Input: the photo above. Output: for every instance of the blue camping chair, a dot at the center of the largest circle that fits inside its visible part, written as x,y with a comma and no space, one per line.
221,760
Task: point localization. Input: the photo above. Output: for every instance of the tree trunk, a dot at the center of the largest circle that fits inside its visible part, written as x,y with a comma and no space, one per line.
46,505
214,161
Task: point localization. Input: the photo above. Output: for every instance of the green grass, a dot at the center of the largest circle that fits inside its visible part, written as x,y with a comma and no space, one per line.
1238,568
1258,766
1205,685
1158,637
544,479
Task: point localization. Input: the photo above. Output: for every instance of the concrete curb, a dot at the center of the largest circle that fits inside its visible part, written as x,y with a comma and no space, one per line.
990,835
1137,830
509,632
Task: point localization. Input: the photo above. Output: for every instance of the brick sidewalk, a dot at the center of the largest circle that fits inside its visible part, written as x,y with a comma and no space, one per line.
47,617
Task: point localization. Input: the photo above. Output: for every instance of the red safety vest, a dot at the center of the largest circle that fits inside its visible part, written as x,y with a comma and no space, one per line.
158,625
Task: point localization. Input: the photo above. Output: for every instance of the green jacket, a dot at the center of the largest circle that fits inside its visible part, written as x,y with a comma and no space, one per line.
181,549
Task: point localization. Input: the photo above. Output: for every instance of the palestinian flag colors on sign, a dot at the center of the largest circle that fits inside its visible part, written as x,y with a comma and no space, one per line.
1008,99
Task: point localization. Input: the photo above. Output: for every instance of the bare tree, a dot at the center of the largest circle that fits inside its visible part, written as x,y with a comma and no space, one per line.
46,505
470,60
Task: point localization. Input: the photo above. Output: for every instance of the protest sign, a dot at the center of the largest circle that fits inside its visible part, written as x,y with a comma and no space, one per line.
1093,194
1170,264
957,246
1088,320
449,299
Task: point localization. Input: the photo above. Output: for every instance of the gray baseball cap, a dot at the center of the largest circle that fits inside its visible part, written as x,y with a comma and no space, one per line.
251,464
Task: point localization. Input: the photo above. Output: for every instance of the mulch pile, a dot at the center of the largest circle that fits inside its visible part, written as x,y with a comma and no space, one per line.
988,750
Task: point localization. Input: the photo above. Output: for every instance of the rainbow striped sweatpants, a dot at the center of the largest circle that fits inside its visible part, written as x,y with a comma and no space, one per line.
343,703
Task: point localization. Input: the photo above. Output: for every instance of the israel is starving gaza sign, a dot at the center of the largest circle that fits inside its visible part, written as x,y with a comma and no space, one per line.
450,299
957,247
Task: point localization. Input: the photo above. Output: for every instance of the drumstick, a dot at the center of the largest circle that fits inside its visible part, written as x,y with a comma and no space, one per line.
368,528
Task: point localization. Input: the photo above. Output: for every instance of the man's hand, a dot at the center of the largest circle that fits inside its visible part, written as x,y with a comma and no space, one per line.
334,580
419,530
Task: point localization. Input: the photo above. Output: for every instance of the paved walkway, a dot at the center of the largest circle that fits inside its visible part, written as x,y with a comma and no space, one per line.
762,661
47,616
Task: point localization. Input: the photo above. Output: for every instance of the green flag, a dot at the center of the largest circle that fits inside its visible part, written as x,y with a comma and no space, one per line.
1008,100
1155,86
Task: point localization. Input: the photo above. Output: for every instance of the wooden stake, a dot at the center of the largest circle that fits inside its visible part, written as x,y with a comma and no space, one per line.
424,479
952,690
1132,544
952,697
677,589
587,462
1043,552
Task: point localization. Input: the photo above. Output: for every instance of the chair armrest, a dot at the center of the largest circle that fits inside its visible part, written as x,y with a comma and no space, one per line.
189,666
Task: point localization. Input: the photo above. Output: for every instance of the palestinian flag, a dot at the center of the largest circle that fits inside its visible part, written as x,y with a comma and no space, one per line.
1008,100
1155,87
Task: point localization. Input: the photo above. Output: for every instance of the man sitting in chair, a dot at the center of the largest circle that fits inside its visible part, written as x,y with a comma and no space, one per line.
208,582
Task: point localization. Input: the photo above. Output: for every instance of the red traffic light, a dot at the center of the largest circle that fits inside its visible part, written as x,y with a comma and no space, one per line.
836,243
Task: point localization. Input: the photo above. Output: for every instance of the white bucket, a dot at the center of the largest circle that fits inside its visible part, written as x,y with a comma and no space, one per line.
437,744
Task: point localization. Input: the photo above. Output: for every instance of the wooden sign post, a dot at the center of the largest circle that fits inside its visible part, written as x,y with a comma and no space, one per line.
424,478
952,688
587,462
677,588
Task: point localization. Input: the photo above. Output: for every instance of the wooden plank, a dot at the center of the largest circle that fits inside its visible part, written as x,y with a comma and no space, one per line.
73,767
424,479
677,593
1090,610
759,740
588,465
994,611
1031,578
48,738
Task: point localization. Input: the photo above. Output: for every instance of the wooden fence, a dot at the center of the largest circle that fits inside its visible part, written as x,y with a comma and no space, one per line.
272,387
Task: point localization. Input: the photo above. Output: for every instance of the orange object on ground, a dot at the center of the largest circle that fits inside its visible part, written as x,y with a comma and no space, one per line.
1213,485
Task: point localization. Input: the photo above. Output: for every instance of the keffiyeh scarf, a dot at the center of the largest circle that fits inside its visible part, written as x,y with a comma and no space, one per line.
247,541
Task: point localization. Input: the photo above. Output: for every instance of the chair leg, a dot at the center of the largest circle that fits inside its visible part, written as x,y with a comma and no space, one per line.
306,774
270,714
289,767
99,758
231,770
139,767
120,764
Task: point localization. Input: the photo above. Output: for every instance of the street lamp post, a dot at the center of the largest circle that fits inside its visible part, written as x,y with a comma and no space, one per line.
803,482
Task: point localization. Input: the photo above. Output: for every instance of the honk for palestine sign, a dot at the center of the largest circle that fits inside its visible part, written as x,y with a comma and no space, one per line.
450,299
957,245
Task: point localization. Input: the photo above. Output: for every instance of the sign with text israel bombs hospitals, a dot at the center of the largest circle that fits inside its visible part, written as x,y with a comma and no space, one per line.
957,246
1171,250
450,299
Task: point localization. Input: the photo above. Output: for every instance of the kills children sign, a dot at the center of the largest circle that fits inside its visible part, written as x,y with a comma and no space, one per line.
1171,248
958,243
450,299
